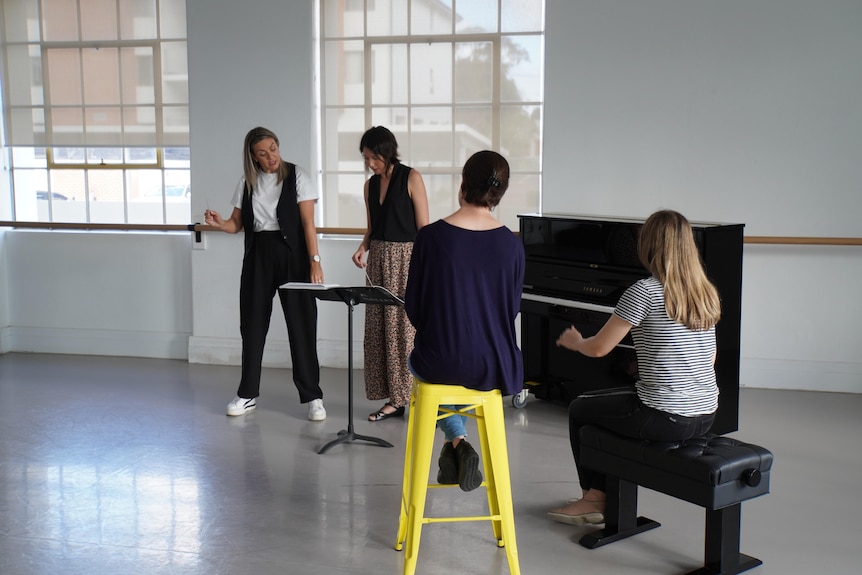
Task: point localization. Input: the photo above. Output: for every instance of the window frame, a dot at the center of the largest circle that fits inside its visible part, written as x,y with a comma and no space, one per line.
332,163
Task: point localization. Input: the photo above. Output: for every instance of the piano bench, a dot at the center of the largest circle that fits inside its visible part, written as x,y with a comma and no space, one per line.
715,472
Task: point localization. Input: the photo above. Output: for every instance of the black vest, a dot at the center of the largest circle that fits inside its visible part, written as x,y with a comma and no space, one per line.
289,224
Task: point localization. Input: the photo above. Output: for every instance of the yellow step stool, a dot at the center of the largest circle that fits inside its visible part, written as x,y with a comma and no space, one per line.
486,407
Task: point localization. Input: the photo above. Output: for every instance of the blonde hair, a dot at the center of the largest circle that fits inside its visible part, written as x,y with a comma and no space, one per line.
249,165
667,250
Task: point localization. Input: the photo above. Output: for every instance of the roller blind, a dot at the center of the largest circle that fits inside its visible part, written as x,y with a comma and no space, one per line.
94,73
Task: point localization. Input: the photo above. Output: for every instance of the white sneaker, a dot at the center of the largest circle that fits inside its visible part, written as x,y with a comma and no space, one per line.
316,411
241,405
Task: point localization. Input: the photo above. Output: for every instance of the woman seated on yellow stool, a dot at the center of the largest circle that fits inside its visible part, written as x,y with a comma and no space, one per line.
463,294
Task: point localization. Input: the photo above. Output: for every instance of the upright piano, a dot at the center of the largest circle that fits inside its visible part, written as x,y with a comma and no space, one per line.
577,267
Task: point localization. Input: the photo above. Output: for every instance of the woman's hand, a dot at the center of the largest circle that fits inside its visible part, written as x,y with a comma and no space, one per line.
213,218
357,257
316,273
231,226
570,339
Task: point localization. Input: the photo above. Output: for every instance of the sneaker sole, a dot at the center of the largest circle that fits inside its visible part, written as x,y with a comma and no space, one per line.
243,411
471,477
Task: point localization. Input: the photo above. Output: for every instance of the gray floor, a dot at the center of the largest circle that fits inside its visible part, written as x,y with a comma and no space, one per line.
129,466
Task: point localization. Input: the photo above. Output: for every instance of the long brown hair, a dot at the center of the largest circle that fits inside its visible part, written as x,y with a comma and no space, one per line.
667,250
249,166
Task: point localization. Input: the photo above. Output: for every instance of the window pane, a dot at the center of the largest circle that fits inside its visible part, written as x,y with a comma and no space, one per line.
172,18
387,18
27,126
177,158
104,155
395,119
431,137
99,20
522,69
59,20
139,156
176,124
430,17
64,69
20,21
175,73
474,71
337,91
30,187
522,16
389,83
522,197
67,126
138,76
101,75
69,183
338,23
25,72
520,136
137,19
476,16
473,132
103,125
106,197
442,190
349,209
29,158
431,73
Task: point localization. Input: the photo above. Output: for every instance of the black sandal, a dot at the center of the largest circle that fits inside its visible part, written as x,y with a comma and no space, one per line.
380,415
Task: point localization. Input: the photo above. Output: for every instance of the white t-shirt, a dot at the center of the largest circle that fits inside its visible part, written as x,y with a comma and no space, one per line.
264,198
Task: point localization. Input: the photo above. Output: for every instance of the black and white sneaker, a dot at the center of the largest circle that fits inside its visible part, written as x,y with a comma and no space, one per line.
241,405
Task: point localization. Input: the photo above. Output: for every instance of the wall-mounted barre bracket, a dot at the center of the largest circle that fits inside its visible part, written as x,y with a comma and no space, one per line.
194,228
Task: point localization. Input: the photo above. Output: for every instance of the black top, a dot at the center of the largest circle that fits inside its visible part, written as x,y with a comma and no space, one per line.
395,219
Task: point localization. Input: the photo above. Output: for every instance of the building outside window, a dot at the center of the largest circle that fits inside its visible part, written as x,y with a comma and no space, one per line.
95,111
448,78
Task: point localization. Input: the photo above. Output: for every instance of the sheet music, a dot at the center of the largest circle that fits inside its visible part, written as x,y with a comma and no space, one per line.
308,285
348,289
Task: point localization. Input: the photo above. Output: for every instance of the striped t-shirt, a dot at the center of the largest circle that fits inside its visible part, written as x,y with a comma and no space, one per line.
675,363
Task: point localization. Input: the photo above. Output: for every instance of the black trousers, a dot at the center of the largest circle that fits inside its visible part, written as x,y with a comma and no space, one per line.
620,410
267,265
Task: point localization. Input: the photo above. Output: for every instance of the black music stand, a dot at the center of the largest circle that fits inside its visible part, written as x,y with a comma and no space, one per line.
351,296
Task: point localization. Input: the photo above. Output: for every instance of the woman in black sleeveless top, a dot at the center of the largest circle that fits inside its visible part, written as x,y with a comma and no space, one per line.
396,207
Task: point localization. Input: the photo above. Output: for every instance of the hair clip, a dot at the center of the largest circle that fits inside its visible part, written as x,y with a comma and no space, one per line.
493,181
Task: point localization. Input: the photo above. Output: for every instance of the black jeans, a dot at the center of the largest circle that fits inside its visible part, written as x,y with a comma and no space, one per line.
620,410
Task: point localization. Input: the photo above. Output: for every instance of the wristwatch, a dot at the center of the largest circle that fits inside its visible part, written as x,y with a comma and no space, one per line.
315,258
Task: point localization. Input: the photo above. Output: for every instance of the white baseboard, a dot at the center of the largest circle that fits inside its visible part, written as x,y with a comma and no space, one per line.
754,372
95,342
801,375
228,351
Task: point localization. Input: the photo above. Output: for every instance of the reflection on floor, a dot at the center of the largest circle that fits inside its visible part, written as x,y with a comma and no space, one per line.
130,466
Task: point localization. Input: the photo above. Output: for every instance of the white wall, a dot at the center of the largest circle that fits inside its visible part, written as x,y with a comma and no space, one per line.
741,111
4,296
726,111
98,293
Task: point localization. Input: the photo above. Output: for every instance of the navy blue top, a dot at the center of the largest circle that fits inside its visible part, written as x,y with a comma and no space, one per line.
463,294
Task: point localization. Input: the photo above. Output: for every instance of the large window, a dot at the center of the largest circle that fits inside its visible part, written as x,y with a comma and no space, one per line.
448,78
95,111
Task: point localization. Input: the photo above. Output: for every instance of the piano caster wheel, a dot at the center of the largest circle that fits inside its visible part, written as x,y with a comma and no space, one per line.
519,400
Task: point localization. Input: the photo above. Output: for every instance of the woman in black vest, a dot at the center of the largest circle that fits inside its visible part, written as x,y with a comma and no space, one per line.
396,207
274,204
